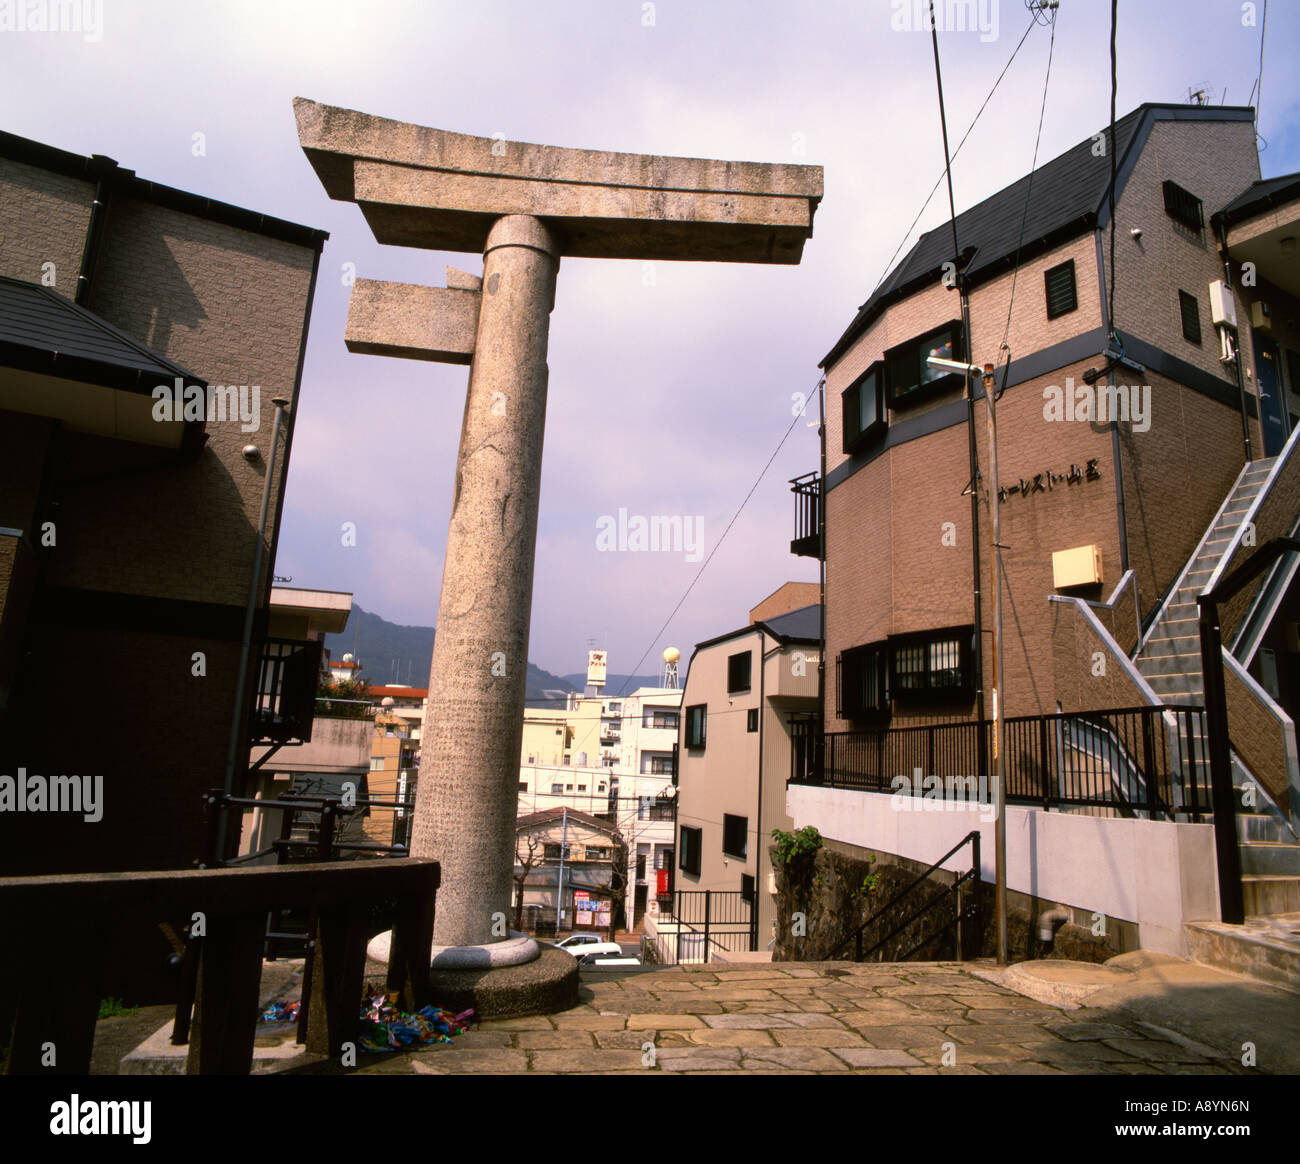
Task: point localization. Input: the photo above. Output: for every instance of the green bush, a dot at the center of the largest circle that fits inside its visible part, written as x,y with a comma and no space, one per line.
792,847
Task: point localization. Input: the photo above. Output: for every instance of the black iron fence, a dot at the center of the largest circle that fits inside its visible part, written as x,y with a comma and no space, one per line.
807,515
1144,760
704,922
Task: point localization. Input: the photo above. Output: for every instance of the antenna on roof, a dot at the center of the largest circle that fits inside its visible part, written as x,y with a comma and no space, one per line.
1202,95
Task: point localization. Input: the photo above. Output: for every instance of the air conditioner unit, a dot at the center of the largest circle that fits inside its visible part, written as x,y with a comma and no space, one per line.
1261,319
1223,309
1080,566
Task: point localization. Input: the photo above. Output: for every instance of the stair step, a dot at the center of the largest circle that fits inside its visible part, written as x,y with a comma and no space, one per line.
1266,948
1265,895
1270,859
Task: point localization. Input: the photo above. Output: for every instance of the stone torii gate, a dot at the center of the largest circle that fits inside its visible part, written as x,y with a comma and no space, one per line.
522,206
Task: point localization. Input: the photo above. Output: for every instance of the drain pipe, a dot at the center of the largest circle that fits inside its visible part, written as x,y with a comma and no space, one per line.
241,677
1049,922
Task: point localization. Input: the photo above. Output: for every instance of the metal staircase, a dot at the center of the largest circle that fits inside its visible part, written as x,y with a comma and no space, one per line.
1169,658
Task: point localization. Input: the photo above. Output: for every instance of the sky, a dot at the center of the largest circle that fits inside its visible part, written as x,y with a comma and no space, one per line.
671,384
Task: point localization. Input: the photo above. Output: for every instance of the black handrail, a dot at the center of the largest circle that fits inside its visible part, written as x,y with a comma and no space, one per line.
973,839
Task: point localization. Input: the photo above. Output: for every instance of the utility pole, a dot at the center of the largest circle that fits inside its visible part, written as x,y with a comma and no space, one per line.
995,571
559,885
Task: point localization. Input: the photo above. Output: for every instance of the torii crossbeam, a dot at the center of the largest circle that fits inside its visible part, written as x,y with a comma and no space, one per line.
522,206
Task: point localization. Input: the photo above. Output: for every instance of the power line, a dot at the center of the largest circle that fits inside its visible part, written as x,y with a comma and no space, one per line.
924,206
705,564
1024,218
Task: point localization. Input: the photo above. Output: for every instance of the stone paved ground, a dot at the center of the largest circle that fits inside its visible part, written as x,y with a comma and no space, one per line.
808,1018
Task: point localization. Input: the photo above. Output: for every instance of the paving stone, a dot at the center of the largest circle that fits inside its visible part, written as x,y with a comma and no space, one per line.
737,994
479,1039
694,1051
1001,1033
554,1040
796,1058
745,1022
486,1062
665,1022
712,1066
1021,1067
803,972
902,1038
589,1062
991,1001
1083,1052
1012,1016
874,1057
972,1054
672,986
815,1037
810,1006
802,1019
1157,1051
535,1022
1077,1032
574,1021
763,974
880,1014
624,1040
738,1038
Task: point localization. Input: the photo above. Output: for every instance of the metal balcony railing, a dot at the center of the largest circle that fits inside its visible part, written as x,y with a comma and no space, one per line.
807,491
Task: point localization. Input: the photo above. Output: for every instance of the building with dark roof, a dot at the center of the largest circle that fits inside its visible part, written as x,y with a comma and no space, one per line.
748,714
1146,371
144,334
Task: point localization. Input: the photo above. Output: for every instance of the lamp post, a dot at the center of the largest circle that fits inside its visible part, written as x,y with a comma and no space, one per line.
995,571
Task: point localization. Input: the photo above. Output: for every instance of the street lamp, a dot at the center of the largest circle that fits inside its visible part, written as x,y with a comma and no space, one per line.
995,570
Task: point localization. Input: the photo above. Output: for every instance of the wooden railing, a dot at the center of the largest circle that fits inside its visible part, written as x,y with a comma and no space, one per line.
65,922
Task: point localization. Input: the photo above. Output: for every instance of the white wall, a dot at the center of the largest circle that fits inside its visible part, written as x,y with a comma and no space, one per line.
1155,873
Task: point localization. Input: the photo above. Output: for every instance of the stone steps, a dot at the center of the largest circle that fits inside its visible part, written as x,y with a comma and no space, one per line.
1266,948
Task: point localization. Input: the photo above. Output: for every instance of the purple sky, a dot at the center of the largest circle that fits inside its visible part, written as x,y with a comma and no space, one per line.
670,385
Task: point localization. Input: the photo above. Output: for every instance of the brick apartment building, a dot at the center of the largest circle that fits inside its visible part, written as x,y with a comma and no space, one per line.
1109,527
127,535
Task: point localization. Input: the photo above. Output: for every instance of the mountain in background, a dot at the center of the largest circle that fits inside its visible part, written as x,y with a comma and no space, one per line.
392,653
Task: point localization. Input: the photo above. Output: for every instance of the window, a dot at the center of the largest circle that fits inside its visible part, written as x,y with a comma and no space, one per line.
582,788
751,720
557,788
568,788
695,717
1190,311
910,378
640,866
747,888
1183,206
597,853
735,835
864,408
376,763
551,852
659,765
931,667
861,683
523,786
615,708
739,668
657,718
692,846
1061,294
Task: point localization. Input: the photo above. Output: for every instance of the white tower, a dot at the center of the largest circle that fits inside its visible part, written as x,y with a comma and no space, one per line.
671,655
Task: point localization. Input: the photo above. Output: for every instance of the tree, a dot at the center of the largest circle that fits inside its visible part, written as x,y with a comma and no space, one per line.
529,862
343,698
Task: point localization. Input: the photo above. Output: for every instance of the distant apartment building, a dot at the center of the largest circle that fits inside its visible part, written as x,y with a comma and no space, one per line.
145,332
748,713
1145,451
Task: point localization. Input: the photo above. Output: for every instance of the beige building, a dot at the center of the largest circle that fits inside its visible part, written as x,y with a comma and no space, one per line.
565,859
749,705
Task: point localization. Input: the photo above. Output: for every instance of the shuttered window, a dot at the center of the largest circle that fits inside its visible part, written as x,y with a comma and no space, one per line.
1183,206
1061,294
1191,313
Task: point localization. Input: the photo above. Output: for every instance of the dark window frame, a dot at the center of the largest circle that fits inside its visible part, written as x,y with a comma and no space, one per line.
853,436
1059,271
913,354
737,682
1189,311
1183,206
929,692
696,726
733,827
857,699
691,849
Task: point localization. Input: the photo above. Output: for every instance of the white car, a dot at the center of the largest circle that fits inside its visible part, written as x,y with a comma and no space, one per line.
584,945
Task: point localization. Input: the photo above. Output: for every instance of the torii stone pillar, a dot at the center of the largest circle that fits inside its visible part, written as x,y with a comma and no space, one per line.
522,206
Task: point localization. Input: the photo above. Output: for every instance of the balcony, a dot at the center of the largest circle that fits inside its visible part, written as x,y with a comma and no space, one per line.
807,492
285,699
